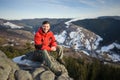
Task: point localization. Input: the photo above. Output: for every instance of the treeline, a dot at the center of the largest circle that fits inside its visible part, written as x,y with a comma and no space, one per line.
79,70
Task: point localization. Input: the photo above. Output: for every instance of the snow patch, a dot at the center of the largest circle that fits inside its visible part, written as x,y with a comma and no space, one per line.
12,25
72,34
61,37
98,40
117,45
115,57
85,52
109,47
87,44
69,22
25,62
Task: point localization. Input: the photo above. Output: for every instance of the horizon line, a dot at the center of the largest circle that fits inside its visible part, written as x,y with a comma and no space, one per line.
59,17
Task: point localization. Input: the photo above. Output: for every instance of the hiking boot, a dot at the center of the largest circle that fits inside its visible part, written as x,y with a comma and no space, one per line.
61,61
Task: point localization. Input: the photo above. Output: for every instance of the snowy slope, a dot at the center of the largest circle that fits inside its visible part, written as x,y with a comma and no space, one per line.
11,25
109,47
79,38
108,50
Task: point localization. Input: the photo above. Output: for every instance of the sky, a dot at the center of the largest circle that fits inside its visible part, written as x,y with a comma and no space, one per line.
29,9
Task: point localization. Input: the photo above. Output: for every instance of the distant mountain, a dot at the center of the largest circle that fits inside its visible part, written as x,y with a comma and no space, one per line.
113,17
36,23
79,38
8,24
13,34
107,27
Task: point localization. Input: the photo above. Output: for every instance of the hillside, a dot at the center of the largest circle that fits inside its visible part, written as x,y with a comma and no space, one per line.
14,35
107,27
29,70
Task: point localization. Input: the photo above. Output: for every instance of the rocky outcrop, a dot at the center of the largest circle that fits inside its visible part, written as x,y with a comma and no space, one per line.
7,68
28,70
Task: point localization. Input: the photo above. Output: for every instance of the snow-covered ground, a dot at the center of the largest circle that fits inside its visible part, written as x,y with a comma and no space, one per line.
19,61
69,22
25,61
12,25
109,47
61,37
77,38
115,57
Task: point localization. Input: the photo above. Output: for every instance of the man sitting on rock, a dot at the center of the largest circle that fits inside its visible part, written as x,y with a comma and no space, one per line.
45,43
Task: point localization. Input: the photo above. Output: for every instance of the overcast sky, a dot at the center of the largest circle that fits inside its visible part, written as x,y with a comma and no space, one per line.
24,9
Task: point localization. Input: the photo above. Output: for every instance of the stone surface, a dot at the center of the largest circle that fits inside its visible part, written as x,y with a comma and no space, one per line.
37,72
47,75
31,70
7,67
23,75
2,54
64,77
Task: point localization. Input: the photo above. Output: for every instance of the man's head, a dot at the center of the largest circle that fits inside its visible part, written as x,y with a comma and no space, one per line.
46,26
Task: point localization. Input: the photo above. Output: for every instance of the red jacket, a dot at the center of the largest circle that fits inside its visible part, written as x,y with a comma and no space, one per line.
46,40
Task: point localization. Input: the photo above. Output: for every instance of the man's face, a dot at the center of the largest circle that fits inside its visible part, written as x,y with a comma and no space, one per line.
46,27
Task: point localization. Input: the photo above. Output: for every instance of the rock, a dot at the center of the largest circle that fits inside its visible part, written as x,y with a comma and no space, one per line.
64,77
23,75
7,67
2,54
4,70
47,75
30,70
37,71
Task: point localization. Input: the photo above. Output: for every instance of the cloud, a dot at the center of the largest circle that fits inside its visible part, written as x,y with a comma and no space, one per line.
87,2
92,3
101,1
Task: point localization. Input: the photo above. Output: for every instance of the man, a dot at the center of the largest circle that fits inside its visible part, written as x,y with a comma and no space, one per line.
45,42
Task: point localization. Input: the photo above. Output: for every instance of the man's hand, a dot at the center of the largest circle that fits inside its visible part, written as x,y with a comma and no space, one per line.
53,48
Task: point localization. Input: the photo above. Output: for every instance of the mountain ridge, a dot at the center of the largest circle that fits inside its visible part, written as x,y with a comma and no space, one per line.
107,28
